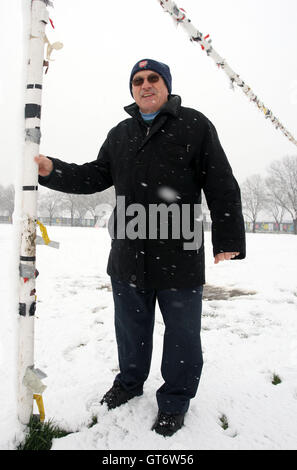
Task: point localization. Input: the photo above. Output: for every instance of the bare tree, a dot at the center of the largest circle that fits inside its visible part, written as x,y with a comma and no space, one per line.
93,200
7,199
282,184
253,198
49,202
273,207
71,202
88,202
277,213
81,205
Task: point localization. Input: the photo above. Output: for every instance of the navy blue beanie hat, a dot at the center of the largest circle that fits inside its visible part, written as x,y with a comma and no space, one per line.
150,64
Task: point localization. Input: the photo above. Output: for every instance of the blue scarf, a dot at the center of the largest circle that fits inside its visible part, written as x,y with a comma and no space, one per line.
148,118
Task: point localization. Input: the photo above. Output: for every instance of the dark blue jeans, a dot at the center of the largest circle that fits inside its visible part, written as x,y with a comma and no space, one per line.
182,355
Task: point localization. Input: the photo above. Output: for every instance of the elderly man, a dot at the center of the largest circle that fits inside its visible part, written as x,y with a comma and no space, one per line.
162,145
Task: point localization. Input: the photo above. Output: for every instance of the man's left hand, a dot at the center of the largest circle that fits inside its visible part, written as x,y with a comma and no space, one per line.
225,256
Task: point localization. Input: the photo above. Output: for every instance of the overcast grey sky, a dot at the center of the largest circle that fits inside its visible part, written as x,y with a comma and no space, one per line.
87,83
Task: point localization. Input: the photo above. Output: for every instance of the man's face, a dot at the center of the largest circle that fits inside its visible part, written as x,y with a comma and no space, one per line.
150,97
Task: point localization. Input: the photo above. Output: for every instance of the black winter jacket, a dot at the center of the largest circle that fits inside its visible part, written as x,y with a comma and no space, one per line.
180,151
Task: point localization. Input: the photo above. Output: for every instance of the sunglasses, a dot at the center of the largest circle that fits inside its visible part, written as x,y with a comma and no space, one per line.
152,78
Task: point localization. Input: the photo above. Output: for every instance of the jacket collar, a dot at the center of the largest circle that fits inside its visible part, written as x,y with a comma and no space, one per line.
172,106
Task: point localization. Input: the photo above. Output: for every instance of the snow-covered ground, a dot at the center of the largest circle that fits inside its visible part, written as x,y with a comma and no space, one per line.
246,340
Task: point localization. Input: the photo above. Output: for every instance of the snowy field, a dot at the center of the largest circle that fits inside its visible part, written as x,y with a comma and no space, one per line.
246,340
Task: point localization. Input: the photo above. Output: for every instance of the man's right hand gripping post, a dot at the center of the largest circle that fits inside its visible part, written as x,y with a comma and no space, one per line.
45,165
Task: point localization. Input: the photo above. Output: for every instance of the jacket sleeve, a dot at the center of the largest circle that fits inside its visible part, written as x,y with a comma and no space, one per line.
88,178
222,195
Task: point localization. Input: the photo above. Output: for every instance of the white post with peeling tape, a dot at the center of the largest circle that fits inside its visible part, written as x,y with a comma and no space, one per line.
39,19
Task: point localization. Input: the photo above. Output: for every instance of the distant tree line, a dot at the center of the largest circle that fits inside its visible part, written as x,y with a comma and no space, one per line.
276,195
54,204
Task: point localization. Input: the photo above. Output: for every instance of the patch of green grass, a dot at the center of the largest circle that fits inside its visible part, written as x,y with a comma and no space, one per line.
224,422
276,379
40,435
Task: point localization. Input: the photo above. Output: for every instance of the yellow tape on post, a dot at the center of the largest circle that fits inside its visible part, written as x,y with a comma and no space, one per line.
39,402
43,233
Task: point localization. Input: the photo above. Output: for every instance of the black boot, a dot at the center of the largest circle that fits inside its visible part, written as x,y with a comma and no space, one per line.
167,424
117,396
